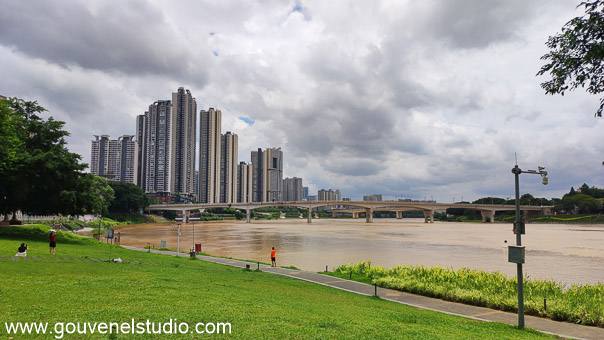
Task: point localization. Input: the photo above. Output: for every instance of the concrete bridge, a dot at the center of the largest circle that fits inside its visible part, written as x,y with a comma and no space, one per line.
368,207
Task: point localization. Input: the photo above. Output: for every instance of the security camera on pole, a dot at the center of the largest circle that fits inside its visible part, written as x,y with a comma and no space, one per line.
516,253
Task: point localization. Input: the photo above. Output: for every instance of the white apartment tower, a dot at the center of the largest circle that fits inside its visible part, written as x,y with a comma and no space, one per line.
209,156
114,159
228,167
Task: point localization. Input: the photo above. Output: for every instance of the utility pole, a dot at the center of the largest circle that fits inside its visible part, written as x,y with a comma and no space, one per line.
516,253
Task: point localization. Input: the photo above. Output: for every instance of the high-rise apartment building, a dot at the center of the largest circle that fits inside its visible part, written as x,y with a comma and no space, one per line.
141,152
114,159
157,147
326,195
267,175
292,189
244,183
183,127
228,167
209,156
373,197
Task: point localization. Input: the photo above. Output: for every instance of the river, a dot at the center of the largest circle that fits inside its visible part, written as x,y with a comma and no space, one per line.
565,253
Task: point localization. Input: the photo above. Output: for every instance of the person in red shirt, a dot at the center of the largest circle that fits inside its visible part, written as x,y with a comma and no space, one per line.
53,241
273,258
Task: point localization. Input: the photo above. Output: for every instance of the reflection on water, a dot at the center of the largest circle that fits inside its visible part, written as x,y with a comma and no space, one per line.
570,254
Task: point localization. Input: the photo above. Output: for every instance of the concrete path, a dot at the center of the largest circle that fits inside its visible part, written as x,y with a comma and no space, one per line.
563,329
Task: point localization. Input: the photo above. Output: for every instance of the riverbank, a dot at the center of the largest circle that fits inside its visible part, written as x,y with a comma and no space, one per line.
77,286
566,253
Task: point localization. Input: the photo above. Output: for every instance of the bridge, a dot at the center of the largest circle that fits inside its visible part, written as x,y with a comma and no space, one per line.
368,207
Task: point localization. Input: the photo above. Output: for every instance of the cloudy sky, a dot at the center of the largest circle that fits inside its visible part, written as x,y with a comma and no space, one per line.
419,99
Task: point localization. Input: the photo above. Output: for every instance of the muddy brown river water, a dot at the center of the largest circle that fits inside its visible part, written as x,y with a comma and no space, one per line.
565,253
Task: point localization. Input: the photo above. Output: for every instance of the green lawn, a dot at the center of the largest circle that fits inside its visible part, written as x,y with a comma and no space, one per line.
71,287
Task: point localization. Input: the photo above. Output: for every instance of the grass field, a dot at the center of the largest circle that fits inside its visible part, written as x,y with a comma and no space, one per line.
73,287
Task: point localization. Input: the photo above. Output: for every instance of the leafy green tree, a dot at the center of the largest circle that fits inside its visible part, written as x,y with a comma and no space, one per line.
40,171
128,198
528,199
576,54
89,195
489,200
581,203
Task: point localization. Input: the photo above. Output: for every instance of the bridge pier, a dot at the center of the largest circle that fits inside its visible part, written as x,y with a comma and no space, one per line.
368,215
248,215
429,216
309,213
399,215
488,216
185,216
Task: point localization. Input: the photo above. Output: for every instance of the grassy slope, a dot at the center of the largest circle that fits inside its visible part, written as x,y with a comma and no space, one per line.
258,305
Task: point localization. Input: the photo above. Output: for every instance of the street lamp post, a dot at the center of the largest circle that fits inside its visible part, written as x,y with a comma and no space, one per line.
177,238
519,230
100,217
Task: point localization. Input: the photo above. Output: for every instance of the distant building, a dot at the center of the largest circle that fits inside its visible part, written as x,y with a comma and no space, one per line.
312,198
267,175
292,189
209,155
183,130
228,167
244,183
327,195
114,159
141,152
373,197
157,148
305,193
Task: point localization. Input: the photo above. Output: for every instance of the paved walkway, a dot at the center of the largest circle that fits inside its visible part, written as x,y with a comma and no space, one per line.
563,329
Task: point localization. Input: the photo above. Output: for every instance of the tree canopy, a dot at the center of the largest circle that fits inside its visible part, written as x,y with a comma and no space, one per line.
38,174
576,54
128,198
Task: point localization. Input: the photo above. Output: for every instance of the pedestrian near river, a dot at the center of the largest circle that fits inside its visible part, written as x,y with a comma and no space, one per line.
273,257
52,238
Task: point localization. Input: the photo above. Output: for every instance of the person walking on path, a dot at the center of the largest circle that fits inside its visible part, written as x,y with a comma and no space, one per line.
53,241
273,258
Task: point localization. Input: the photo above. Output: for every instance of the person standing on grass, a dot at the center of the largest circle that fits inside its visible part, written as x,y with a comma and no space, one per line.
273,258
52,238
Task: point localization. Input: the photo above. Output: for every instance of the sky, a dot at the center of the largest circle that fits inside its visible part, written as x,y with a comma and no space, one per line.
410,99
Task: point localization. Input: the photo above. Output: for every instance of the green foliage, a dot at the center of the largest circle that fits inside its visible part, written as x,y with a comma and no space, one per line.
105,223
91,193
39,175
125,218
576,54
225,212
582,304
128,198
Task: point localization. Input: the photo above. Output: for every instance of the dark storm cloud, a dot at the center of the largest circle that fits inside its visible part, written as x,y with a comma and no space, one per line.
132,38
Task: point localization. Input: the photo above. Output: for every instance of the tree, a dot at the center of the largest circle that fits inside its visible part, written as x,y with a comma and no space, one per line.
42,171
91,192
576,54
581,203
128,198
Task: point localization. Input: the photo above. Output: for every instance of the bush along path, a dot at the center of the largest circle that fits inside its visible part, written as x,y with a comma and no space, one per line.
580,304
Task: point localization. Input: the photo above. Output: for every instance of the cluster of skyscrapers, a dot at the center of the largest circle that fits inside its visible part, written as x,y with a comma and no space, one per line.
162,158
